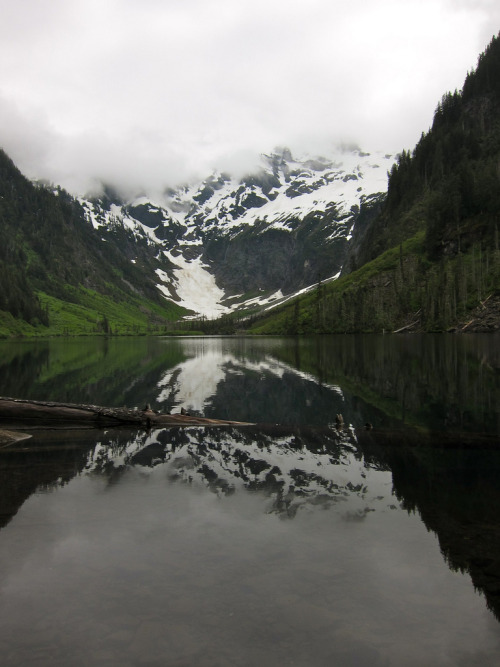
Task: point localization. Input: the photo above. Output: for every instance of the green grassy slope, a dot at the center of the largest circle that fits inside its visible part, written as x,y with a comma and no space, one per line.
59,276
402,288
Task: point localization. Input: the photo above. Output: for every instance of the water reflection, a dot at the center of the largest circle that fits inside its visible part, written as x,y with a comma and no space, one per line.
213,546
293,469
441,382
261,545
456,493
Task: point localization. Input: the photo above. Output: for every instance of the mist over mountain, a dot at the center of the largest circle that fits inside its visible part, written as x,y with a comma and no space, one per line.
209,247
430,261
226,243
428,250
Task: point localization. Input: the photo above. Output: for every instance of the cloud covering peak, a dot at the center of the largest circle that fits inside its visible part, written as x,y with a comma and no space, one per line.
143,93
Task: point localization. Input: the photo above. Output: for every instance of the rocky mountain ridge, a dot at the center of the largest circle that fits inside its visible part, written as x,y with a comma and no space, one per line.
225,243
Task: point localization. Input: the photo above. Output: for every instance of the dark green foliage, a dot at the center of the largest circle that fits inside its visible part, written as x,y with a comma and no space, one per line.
225,325
449,185
46,245
401,289
432,252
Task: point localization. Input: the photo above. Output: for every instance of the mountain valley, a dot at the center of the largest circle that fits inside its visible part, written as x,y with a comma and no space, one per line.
344,242
225,244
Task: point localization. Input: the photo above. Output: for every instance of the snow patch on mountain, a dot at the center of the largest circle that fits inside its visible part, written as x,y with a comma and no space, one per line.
219,228
342,187
194,285
276,297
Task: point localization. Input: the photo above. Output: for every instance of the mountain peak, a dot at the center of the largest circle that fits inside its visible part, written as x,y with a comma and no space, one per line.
255,239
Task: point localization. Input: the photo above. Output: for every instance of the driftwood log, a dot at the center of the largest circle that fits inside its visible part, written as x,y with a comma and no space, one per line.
22,413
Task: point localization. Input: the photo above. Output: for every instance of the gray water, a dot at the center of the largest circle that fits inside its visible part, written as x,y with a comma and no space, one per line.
291,542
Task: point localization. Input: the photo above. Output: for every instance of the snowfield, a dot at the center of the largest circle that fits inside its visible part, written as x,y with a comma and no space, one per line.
281,194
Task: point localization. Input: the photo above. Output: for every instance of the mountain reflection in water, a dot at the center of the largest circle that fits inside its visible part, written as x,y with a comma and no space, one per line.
297,544
244,546
441,382
293,469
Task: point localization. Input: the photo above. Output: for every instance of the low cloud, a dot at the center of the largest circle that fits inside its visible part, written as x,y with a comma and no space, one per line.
143,94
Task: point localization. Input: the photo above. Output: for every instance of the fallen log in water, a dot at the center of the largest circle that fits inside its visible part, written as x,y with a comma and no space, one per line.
23,413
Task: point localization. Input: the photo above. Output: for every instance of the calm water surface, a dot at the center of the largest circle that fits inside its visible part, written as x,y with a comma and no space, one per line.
287,543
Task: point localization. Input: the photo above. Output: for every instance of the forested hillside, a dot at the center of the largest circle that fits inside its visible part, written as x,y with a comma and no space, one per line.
432,255
58,275
425,257
449,184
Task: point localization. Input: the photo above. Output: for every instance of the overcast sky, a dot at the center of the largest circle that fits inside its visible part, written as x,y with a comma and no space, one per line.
143,93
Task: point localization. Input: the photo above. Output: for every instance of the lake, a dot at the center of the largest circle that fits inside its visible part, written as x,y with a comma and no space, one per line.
293,541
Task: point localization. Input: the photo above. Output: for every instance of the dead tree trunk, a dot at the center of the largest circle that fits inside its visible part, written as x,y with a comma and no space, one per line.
23,413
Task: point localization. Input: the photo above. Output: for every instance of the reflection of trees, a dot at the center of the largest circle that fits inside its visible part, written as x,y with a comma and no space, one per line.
454,490
116,371
19,364
47,460
439,381
456,493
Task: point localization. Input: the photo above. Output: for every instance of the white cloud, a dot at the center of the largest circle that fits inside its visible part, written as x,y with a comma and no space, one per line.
146,92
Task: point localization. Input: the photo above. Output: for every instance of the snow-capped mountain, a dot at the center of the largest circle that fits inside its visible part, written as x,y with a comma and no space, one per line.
227,243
